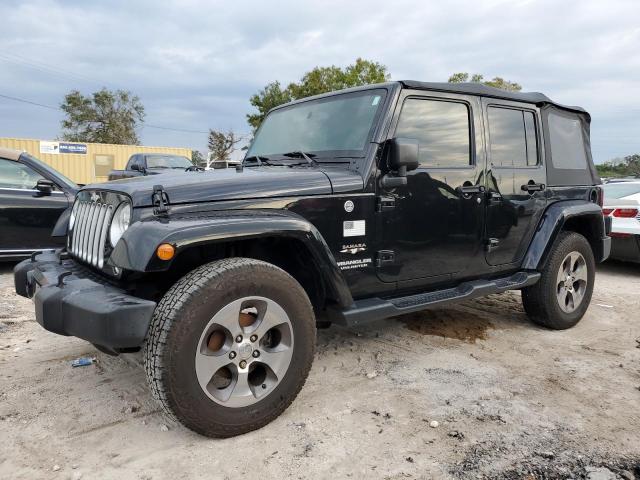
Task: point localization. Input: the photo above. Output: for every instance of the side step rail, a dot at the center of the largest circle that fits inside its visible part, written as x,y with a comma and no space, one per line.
371,309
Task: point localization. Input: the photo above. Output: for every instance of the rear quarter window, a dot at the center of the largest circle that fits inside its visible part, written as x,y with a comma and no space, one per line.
567,143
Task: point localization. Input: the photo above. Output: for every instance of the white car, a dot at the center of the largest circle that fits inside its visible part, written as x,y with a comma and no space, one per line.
622,204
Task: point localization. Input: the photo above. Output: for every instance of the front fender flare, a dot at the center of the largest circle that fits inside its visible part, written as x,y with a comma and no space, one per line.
553,221
136,249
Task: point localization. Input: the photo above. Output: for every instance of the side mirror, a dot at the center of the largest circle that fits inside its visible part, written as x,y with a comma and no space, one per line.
402,158
403,155
137,168
44,186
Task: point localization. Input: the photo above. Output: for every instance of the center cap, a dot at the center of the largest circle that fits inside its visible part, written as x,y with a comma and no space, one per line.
245,351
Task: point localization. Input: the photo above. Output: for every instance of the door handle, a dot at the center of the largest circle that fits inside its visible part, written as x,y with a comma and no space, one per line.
470,189
494,197
533,187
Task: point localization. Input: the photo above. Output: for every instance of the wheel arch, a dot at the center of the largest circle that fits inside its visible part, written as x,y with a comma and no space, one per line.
282,238
581,217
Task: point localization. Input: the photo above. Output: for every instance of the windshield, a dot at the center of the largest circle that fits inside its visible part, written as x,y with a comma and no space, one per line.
339,125
168,161
620,190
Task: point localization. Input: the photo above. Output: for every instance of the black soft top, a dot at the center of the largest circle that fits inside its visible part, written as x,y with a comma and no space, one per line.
469,88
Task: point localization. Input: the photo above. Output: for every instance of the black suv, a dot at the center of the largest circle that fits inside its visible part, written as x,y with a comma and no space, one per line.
349,207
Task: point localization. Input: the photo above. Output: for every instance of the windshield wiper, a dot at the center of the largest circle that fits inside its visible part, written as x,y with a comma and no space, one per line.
259,159
300,154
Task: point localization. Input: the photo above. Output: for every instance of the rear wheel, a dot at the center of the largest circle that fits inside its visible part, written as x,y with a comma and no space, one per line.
230,346
562,295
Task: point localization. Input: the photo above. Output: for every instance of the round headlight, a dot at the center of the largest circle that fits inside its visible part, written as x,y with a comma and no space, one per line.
72,216
119,222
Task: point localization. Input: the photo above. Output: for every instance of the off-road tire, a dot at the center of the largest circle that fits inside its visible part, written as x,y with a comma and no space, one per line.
540,300
178,322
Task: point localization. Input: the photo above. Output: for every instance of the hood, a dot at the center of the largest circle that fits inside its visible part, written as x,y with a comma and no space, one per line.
228,184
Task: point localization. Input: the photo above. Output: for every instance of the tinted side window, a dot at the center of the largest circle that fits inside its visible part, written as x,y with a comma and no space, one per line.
441,127
513,140
17,175
567,143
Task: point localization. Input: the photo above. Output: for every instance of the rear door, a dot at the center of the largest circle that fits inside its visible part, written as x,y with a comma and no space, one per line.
516,179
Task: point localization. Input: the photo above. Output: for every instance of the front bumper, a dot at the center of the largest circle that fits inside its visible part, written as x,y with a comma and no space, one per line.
71,300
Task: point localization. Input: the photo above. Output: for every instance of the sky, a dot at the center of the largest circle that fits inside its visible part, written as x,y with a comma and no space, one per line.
195,63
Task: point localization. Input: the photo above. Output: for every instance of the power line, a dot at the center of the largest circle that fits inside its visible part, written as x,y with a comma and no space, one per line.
174,129
143,123
29,102
44,68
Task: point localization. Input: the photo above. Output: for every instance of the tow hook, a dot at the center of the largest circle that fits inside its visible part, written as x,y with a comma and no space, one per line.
60,283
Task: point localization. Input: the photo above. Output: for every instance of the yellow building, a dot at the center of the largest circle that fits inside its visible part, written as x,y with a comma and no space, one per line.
84,162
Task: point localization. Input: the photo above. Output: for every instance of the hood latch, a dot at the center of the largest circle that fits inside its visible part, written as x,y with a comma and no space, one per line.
160,201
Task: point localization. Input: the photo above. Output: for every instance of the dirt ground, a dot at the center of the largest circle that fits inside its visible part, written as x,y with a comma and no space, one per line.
511,400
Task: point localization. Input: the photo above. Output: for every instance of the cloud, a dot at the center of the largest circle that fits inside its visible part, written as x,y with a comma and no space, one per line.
195,63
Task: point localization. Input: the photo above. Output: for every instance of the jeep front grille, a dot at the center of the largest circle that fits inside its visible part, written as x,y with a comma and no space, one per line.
90,228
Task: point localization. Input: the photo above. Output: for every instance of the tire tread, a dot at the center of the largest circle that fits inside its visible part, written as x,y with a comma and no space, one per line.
167,313
539,300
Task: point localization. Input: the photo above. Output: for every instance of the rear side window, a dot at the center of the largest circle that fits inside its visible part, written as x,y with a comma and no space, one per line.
567,142
513,139
441,127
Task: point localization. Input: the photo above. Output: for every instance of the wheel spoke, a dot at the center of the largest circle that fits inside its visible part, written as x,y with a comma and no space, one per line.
277,360
273,316
255,361
241,386
570,302
576,261
571,281
208,365
228,317
240,391
562,297
580,273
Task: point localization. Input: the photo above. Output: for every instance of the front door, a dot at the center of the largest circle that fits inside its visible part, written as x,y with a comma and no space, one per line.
431,229
516,179
27,217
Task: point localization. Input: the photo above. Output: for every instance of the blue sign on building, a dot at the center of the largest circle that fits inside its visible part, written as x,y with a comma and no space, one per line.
79,148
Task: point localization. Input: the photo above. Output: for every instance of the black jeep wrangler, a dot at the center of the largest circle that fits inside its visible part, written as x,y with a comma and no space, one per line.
349,207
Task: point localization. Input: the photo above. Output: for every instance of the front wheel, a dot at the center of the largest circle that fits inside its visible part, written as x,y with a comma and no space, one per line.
562,295
230,346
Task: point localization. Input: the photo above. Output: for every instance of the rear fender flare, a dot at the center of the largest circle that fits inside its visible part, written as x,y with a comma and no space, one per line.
553,222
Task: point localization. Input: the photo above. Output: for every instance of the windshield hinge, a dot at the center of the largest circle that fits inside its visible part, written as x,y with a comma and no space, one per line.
160,201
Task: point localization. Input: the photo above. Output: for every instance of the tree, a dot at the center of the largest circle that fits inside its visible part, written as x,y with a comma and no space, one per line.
269,97
628,166
497,82
103,117
317,81
633,164
222,144
198,159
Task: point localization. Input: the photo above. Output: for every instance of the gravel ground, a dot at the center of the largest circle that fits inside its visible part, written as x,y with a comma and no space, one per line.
511,400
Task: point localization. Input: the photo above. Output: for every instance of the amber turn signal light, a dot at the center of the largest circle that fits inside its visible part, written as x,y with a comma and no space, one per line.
165,251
